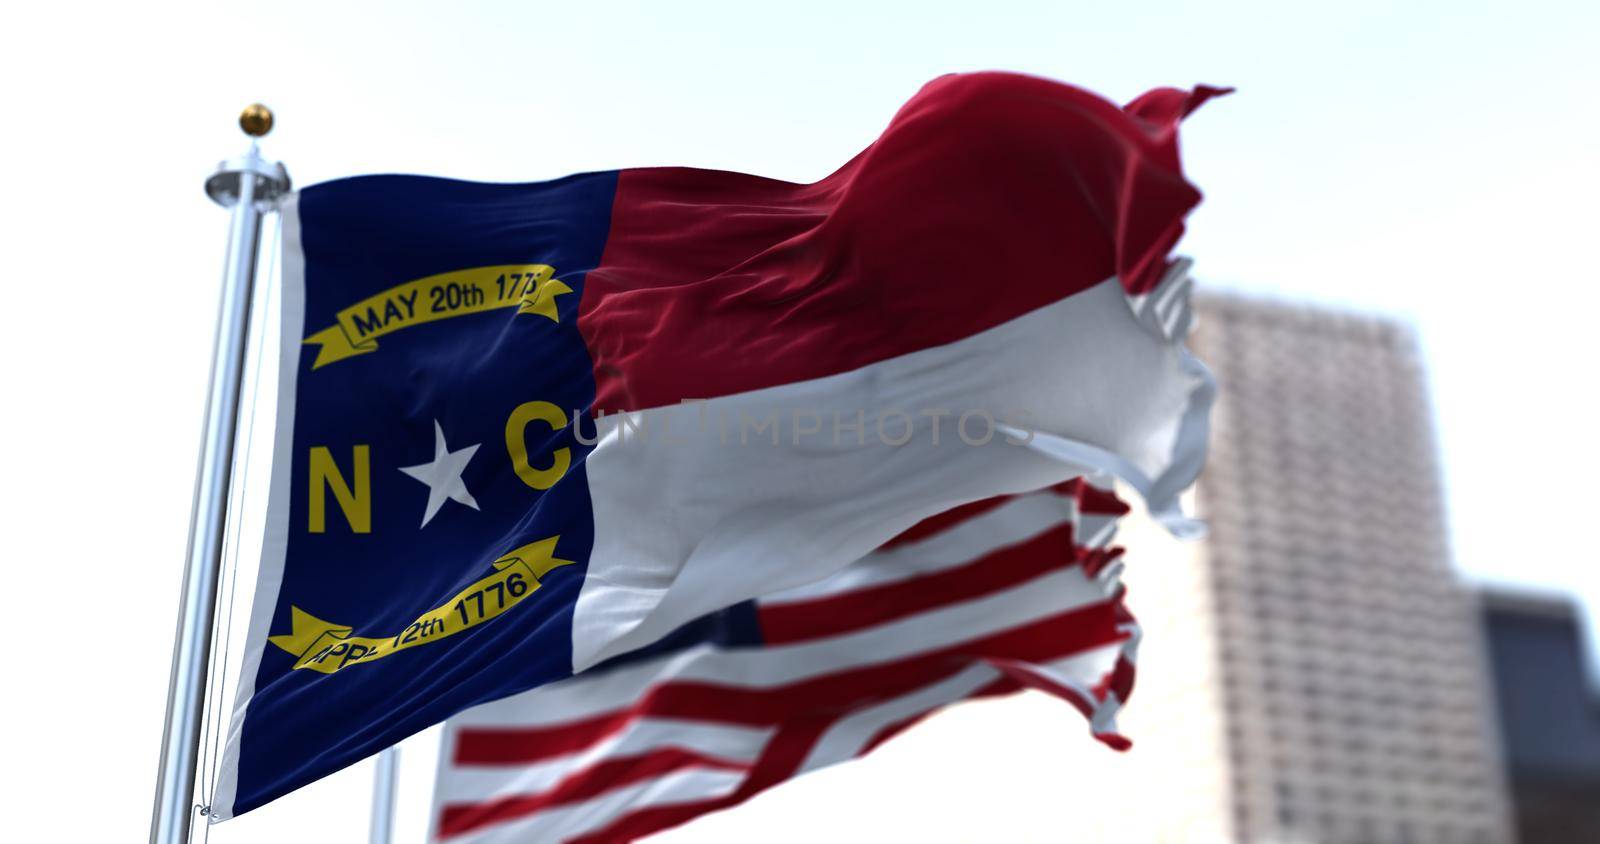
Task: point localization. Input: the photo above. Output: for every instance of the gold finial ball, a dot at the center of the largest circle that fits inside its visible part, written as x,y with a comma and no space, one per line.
255,120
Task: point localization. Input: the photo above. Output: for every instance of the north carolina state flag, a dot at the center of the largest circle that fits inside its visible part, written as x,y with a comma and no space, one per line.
528,428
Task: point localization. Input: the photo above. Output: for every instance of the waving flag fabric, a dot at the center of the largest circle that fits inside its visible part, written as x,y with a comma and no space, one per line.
525,429
1005,594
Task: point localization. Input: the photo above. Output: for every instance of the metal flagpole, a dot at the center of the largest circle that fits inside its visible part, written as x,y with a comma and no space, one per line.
250,186
385,781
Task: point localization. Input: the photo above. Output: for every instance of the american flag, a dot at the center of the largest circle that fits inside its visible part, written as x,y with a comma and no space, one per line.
1009,593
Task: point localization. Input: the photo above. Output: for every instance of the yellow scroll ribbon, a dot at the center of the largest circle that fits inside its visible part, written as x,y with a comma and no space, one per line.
327,647
530,288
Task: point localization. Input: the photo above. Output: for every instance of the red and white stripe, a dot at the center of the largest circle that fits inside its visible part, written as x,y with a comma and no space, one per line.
995,596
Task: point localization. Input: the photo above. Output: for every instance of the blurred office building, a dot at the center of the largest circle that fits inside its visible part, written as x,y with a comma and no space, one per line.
1549,716
1314,671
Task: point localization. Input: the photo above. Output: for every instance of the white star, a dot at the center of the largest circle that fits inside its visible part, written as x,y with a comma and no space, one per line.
443,475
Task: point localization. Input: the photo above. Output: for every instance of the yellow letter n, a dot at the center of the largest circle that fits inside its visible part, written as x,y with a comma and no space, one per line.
356,506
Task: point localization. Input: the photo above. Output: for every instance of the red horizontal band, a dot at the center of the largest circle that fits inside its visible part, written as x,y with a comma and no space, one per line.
988,196
835,615
592,781
1044,640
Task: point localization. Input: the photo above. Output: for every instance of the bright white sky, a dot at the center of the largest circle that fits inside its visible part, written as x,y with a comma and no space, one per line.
1429,159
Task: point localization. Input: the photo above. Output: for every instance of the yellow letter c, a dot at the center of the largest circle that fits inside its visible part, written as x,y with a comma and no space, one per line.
517,447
